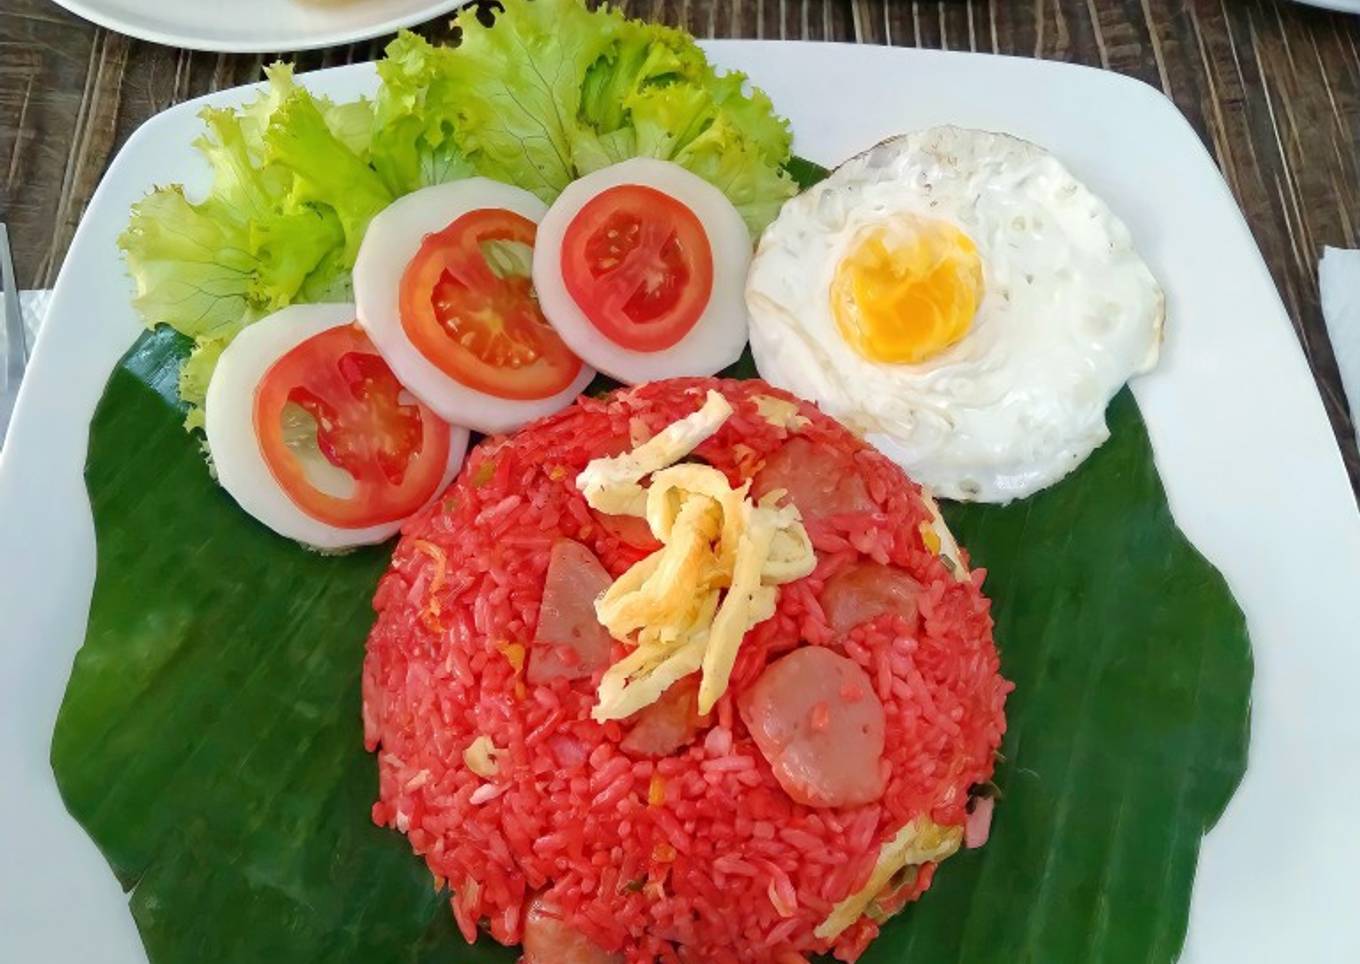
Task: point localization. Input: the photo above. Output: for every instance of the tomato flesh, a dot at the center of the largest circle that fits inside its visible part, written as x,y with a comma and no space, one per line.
638,264
469,308
379,430
392,447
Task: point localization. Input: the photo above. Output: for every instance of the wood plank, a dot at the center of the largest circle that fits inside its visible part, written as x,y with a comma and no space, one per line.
1272,88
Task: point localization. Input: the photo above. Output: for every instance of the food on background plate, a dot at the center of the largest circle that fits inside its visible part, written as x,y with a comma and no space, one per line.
312,434
964,302
442,286
778,800
641,267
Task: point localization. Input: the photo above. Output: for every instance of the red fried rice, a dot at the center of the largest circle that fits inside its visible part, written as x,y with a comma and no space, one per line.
700,855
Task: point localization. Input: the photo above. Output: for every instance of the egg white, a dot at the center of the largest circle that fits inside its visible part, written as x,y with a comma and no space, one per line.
717,338
1070,312
392,240
229,421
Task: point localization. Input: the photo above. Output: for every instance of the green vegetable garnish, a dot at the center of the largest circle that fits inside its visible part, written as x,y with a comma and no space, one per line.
548,92
273,229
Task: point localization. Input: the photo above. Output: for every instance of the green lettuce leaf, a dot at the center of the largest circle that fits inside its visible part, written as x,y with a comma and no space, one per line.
290,247
195,374
659,86
192,267
412,145
290,197
644,57
350,122
549,91
749,110
724,157
323,171
520,81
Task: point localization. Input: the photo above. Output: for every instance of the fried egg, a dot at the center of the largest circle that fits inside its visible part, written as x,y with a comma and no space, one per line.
964,302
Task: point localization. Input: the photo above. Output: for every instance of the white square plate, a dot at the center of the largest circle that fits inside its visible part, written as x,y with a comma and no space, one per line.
1345,6
257,26
1250,466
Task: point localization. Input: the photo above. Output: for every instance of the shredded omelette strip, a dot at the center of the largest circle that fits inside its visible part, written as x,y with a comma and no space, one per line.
920,841
612,484
687,606
940,540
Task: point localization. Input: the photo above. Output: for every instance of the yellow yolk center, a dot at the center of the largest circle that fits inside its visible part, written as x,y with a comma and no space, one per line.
907,290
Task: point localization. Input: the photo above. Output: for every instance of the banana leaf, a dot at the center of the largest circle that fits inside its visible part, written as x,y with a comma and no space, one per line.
210,738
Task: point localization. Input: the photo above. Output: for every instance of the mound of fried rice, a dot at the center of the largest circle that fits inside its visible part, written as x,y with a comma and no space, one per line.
698,856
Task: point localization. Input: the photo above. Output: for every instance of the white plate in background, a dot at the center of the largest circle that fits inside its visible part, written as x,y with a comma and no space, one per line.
1345,6
257,26
1244,448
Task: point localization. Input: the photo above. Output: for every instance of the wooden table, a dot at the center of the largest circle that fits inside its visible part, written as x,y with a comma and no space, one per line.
1272,88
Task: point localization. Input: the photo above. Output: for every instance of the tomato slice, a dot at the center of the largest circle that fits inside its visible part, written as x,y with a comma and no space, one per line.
341,436
638,264
468,305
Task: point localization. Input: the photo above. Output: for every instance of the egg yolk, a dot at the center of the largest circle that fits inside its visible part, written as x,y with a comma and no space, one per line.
907,291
